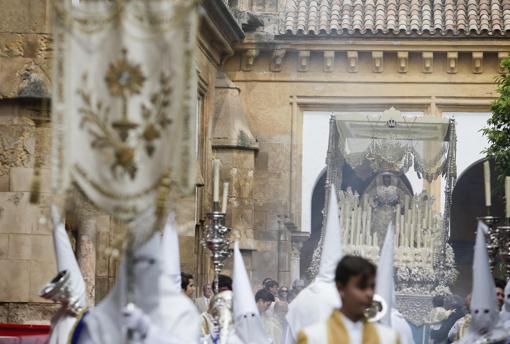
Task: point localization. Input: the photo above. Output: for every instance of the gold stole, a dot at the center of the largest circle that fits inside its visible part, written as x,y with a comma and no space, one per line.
337,332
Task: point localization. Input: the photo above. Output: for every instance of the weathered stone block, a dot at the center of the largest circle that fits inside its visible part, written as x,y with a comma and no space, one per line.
4,183
32,313
23,16
260,220
42,248
264,265
16,146
20,246
4,312
4,245
102,288
17,215
40,274
243,159
20,179
242,218
15,281
187,252
262,161
265,235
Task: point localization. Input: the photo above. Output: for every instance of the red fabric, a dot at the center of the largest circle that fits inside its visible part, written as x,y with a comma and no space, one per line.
24,334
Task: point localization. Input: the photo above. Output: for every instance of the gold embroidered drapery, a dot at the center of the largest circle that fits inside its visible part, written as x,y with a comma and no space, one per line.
124,101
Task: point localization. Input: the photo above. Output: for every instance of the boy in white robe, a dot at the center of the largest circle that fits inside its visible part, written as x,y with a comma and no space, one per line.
355,281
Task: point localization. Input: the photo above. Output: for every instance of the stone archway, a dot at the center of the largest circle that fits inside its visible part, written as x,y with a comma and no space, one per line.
468,203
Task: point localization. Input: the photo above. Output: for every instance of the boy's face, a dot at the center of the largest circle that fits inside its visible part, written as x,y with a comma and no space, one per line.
358,294
263,305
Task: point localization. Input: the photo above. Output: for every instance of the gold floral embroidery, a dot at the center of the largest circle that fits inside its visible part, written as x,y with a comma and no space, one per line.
124,79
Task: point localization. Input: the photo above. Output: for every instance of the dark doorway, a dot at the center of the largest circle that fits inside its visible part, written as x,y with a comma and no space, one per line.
468,203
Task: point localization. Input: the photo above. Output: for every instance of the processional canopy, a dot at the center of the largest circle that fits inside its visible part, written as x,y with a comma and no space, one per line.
393,142
380,149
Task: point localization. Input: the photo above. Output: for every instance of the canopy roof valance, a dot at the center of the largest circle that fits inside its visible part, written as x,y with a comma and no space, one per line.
393,142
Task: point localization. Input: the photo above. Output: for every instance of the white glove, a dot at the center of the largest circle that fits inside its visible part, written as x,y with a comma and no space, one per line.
136,320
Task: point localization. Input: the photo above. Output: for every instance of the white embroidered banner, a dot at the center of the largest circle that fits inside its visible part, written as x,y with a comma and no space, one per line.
124,100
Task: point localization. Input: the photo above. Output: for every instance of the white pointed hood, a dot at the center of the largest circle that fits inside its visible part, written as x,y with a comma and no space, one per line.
316,302
170,253
331,245
384,284
247,319
104,323
66,260
484,309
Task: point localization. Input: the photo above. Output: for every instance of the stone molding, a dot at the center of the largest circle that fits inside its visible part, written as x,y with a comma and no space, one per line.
337,55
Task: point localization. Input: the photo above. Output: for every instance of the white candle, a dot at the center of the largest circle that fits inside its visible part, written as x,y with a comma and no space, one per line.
216,180
225,198
487,182
507,195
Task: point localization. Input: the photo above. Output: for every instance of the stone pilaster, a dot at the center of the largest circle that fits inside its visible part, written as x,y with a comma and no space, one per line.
235,146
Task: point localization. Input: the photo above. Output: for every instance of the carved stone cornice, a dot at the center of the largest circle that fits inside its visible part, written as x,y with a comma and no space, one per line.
477,62
347,51
452,60
219,31
403,61
277,60
428,61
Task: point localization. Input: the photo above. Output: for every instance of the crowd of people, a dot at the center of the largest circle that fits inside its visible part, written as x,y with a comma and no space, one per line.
151,301
272,302
450,317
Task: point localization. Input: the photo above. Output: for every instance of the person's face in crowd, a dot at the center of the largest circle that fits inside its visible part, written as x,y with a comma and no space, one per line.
208,290
283,293
357,296
274,290
190,289
500,295
263,305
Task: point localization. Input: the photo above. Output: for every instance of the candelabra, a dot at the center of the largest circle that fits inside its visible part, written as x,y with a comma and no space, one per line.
217,241
498,241
503,233
493,241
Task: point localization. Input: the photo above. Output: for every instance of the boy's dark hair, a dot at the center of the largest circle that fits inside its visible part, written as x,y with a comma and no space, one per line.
499,283
351,266
264,295
438,301
224,282
185,278
271,284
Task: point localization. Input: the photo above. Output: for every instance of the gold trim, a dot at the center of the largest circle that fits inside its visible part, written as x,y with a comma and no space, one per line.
78,318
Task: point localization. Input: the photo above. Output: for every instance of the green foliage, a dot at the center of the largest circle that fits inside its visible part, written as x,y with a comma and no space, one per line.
498,126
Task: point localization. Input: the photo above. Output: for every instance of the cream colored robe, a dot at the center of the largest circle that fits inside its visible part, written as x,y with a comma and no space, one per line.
334,331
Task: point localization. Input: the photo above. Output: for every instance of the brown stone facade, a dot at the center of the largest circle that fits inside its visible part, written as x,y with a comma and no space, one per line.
266,80
26,249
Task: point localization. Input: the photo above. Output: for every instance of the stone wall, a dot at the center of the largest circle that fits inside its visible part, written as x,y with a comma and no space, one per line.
281,80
